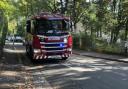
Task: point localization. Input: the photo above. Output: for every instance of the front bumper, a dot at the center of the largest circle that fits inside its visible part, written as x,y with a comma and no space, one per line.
43,54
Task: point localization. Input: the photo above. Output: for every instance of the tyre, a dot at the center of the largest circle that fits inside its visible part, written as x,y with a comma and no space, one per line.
31,53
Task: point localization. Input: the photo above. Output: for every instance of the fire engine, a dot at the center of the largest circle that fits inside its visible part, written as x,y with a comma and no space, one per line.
48,36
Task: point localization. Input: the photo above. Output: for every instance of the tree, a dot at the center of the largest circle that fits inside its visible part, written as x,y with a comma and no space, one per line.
6,10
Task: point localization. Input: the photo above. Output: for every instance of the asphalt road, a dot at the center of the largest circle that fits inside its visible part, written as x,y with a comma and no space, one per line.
78,72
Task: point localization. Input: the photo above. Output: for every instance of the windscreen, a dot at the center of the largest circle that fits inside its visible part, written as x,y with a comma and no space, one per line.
51,26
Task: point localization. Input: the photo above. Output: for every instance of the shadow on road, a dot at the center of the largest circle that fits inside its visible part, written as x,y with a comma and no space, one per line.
78,73
11,74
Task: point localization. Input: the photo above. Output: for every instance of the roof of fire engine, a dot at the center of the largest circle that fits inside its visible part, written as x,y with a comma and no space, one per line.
48,16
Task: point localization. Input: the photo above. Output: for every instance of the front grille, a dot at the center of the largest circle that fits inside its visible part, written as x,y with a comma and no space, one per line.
53,49
53,46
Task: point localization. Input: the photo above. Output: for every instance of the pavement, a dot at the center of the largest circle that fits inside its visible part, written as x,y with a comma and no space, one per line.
118,58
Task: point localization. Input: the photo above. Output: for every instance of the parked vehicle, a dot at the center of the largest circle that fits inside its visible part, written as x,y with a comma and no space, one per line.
18,39
48,35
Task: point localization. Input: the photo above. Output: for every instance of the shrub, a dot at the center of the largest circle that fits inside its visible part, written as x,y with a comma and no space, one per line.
76,38
83,41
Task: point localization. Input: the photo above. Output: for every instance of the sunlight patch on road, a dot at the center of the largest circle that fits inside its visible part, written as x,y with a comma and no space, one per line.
56,71
37,78
83,78
124,68
83,59
68,74
10,43
33,68
14,51
80,69
9,73
5,86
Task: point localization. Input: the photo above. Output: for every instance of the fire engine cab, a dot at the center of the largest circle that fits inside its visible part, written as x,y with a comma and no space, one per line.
48,35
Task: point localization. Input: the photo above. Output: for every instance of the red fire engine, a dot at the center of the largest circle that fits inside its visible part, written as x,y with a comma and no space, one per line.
48,35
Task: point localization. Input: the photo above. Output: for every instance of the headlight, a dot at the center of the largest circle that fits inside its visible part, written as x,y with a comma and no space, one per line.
41,39
37,50
65,40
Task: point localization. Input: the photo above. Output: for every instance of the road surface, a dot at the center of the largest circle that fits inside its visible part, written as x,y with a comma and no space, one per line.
78,72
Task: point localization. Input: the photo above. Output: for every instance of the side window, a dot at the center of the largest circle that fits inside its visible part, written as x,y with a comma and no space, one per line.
65,24
28,26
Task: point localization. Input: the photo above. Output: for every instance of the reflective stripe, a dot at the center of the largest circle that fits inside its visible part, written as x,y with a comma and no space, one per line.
53,47
37,57
53,36
51,43
41,57
41,36
45,57
54,50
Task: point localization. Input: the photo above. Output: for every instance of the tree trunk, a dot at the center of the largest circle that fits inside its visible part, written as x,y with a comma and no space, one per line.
112,32
3,37
75,27
126,33
91,32
55,9
74,15
61,3
66,5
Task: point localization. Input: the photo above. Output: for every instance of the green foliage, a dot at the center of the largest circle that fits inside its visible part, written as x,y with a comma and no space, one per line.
98,17
83,41
6,10
6,7
113,48
76,39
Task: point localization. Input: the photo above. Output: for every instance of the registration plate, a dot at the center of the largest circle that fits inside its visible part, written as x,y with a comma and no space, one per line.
54,38
55,56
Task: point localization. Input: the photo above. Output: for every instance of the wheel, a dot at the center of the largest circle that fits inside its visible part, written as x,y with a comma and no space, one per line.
31,53
64,58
